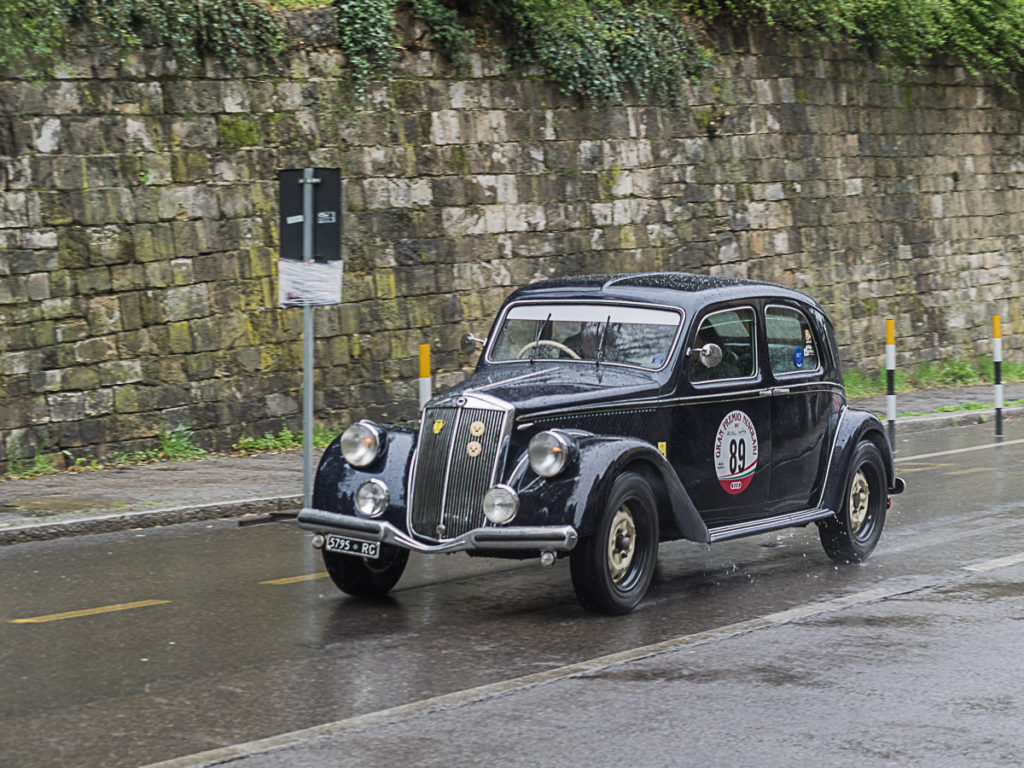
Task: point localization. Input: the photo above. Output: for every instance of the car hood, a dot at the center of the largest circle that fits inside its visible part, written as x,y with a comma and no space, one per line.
555,386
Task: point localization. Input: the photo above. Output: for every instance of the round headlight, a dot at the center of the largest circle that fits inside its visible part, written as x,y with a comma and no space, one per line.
549,453
500,504
360,444
372,498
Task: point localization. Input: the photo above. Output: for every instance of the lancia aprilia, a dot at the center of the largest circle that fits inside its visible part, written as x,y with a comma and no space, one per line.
608,414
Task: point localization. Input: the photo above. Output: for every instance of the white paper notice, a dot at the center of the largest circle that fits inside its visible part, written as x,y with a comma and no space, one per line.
308,282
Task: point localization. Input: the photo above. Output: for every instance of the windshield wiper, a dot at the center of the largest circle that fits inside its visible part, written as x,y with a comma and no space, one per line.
600,347
536,339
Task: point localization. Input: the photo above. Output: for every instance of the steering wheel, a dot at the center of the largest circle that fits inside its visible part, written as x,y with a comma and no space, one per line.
548,343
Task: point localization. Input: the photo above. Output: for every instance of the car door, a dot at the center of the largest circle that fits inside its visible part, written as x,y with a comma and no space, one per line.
802,404
719,425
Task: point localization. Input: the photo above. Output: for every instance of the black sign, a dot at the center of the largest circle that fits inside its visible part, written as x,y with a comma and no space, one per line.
326,214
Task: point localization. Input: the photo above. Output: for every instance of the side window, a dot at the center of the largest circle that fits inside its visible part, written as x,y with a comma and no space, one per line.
733,331
791,347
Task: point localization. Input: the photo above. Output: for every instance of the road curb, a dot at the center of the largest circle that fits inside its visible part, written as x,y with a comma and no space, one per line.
43,530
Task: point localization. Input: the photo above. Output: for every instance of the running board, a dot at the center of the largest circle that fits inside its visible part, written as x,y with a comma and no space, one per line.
767,524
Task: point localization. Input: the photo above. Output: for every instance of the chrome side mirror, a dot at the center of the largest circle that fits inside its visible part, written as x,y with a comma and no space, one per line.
710,355
468,343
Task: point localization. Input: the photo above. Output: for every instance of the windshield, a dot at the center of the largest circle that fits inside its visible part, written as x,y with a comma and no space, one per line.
601,333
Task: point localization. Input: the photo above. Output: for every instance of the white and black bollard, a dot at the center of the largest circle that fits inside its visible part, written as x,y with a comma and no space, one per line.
997,362
890,378
425,383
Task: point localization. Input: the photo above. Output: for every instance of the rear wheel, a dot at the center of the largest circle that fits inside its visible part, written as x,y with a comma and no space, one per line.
365,577
612,569
851,535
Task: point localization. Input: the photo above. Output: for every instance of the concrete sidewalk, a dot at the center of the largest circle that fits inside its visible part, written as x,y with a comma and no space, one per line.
98,501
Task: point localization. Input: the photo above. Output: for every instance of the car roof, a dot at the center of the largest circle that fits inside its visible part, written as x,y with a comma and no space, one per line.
686,290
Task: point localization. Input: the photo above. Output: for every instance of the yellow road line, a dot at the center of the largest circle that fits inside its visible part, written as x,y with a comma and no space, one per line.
970,471
89,612
924,468
296,579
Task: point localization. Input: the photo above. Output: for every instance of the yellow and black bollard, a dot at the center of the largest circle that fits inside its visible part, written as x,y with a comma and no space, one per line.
997,364
890,378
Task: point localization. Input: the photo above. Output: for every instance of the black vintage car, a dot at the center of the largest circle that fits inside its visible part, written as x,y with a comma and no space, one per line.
607,414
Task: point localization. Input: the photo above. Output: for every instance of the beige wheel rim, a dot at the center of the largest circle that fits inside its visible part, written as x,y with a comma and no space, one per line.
621,544
860,495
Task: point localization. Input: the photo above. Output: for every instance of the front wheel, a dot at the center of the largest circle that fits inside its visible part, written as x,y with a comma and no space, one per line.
365,577
851,535
612,569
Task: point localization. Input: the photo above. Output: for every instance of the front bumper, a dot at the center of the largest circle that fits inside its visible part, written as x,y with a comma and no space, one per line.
561,538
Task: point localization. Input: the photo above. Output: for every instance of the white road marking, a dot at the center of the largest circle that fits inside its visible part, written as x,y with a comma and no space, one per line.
957,450
999,562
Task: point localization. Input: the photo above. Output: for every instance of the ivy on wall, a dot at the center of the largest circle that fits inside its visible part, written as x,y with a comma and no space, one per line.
33,32
986,36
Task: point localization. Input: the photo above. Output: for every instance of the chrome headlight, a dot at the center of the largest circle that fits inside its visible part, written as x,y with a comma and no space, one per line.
500,504
549,453
372,498
360,444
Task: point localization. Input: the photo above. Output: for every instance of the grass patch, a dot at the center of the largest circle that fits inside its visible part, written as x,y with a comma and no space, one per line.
176,444
39,465
950,373
285,440
970,405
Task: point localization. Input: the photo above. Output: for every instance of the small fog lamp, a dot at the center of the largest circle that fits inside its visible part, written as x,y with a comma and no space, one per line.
549,453
360,444
500,504
372,498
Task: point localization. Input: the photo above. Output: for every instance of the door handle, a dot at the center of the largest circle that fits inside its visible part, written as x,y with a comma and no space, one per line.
773,391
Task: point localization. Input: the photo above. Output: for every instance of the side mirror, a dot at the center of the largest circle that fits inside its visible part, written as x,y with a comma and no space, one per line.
710,355
468,343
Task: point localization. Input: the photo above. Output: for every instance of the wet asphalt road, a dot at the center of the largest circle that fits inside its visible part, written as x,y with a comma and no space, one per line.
227,643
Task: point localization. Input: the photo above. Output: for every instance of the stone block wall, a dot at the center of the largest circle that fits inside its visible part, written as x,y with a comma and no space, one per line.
138,221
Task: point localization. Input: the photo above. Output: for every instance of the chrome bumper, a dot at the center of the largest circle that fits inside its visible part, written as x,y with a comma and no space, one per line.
560,538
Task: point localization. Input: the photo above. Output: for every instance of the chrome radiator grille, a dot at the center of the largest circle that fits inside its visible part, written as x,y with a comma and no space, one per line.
460,447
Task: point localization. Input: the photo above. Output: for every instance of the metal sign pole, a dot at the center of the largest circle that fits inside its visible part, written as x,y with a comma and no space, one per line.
307,345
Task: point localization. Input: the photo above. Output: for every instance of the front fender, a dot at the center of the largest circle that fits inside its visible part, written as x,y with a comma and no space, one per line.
854,426
577,496
336,481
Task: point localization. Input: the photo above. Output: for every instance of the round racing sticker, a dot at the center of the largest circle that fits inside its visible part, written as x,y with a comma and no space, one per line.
735,452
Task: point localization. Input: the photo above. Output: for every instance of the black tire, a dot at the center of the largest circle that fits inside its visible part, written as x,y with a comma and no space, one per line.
851,535
612,569
363,577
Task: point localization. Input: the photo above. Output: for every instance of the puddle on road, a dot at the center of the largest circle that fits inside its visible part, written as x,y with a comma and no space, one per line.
981,591
37,505
767,675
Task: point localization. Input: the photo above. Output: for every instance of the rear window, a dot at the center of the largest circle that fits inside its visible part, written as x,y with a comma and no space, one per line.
619,335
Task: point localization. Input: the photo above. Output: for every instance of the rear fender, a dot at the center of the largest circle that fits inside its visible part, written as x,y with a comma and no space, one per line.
854,426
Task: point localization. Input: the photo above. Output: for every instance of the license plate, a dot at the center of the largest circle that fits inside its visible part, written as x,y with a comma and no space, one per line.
355,547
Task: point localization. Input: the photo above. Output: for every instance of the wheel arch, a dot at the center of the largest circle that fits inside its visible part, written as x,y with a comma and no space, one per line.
602,459
856,425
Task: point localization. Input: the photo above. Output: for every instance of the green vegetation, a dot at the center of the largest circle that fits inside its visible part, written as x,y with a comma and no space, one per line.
986,36
33,33
176,444
951,372
597,49
40,464
285,440
600,49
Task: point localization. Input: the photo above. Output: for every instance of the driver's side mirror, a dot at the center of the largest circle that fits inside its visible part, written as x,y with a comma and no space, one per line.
469,343
710,355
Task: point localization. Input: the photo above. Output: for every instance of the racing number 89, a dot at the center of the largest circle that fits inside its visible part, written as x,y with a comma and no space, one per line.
737,456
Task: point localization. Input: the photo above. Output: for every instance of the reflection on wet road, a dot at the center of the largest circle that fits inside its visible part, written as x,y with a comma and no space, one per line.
224,635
